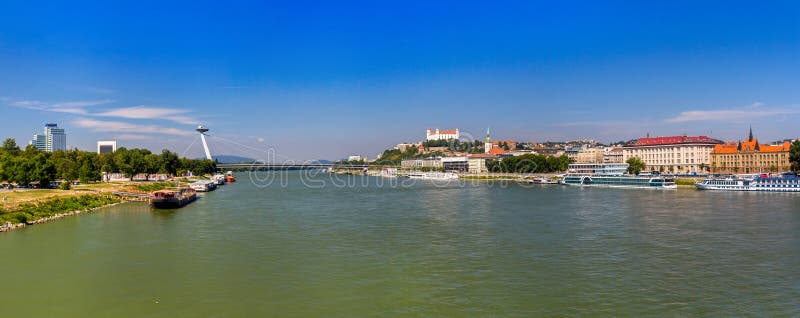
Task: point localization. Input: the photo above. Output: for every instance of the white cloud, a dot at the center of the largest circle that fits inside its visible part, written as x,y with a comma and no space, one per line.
742,114
28,103
134,137
145,112
74,107
129,128
83,103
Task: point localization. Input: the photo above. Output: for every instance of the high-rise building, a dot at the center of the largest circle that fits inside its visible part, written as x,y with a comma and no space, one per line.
39,141
106,146
55,138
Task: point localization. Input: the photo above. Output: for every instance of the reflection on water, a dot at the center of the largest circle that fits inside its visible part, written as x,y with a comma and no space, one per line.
415,249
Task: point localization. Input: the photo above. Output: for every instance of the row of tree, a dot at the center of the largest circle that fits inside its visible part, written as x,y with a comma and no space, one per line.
31,165
475,146
529,163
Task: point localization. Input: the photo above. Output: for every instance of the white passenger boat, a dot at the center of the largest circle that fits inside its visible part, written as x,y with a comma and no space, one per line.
433,175
203,186
611,175
620,181
786,182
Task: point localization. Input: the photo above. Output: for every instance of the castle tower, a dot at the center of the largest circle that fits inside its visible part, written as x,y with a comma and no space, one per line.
487,144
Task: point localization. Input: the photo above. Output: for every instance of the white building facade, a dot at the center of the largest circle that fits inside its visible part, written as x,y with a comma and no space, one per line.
438,134
106,146
674,154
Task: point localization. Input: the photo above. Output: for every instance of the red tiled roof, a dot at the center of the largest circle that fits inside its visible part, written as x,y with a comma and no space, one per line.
672,140
446,131
750,146
497,151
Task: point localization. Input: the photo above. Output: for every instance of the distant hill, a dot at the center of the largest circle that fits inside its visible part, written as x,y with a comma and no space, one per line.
321,162
232,159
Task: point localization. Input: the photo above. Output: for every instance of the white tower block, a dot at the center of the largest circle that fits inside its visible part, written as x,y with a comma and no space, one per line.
202,130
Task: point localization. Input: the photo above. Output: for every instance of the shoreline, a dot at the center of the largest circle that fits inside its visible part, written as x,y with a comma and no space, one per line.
10,226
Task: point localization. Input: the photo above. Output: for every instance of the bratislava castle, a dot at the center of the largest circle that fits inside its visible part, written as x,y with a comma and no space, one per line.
442,134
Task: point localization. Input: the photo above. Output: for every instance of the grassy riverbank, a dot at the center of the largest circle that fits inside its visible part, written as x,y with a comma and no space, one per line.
29,213
485,177
20,207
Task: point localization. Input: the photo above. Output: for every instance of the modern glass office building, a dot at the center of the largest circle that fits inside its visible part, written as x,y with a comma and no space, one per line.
54,139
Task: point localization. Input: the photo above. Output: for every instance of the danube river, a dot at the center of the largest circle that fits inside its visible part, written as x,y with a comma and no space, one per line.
361,247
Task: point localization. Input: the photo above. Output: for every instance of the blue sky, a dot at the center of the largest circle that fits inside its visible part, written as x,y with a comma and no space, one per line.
318,80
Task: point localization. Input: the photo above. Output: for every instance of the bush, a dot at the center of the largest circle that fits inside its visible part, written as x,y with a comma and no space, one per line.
155,186
65,186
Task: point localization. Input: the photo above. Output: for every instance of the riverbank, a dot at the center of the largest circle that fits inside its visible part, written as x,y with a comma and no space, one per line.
53,209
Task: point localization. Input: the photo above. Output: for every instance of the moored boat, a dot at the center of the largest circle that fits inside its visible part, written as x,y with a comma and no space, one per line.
229,177
433,175
172,199
786,182
218,178
204,186
612,176
620,181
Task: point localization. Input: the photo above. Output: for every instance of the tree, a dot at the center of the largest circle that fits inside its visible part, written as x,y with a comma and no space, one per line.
635,165
170,161
10,145
152,164
794,155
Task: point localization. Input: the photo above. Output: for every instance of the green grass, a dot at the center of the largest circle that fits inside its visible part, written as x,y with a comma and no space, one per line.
485,177
684,182
30,212
155,186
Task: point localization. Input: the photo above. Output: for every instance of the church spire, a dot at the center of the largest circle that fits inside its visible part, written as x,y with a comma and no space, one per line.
750,138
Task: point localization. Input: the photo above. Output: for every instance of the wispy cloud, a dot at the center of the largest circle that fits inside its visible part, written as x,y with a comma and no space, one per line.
28,103
83,103
134,137
146,112
755,110
73,107
128,128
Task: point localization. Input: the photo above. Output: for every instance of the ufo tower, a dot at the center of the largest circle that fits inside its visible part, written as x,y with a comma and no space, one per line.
202,130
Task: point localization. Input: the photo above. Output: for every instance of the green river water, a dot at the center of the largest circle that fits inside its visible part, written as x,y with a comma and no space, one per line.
362,247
